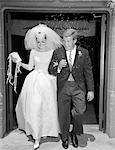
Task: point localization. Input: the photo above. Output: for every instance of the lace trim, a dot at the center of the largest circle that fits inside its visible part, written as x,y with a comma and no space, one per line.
9,73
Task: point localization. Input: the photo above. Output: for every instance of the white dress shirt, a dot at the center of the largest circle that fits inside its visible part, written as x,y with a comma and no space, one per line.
73,52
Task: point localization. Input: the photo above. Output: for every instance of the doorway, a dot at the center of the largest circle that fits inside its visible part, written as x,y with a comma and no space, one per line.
20,22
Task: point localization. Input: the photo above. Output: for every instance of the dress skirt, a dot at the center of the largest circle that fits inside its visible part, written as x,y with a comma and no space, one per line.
36,108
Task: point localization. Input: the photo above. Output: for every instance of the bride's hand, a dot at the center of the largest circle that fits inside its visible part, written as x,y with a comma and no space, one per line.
15,57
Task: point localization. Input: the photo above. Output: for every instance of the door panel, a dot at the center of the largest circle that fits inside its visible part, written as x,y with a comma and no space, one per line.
102,64
91,115
8,47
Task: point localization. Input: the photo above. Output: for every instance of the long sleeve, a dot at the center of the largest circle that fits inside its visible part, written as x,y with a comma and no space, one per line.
88,72
30,65
52,67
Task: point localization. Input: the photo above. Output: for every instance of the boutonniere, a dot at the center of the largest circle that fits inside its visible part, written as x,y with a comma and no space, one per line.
55,63
79,53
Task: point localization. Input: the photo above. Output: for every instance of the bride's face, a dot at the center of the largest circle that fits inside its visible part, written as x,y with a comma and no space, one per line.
41,43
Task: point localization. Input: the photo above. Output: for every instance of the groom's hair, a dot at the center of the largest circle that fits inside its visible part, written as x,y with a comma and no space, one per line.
70,32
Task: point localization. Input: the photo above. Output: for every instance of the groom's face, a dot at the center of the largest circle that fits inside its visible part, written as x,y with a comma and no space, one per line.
69,42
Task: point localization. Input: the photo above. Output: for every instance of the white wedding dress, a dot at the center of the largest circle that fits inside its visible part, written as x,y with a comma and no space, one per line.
36,109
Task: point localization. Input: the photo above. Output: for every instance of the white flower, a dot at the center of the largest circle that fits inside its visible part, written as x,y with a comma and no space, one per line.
55,64
79,53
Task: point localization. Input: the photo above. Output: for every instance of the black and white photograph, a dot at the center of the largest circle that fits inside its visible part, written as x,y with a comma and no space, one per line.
57,74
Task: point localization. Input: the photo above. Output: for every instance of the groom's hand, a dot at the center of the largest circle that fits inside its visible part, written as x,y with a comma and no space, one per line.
62,64
90,96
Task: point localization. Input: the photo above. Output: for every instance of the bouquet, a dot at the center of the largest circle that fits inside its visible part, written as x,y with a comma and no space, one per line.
13,57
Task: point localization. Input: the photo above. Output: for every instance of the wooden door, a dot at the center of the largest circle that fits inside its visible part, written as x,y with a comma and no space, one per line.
9,89
102,98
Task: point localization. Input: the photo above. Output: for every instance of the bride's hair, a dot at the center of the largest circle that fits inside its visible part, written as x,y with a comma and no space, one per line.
41,36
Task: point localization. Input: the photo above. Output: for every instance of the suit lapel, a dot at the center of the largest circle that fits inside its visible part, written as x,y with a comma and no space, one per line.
76,57
65,55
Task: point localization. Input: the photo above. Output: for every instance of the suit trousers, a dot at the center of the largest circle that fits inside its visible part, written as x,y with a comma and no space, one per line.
71,106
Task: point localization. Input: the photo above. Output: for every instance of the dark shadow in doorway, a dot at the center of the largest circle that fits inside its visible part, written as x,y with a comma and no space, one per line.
89,116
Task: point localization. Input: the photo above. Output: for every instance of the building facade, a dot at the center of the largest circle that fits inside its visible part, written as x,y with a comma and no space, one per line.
103,12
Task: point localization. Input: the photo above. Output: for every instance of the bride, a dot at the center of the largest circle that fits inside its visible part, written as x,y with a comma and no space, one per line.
36,108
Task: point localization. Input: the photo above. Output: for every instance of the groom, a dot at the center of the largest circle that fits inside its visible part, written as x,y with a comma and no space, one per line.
72,66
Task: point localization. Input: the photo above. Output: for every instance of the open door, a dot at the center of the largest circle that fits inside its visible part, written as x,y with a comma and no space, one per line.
9,89
14,42
102,99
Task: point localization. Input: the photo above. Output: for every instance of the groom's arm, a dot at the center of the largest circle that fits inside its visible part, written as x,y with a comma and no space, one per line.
53,66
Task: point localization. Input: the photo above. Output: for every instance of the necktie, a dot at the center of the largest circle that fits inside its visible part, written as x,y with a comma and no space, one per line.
70,60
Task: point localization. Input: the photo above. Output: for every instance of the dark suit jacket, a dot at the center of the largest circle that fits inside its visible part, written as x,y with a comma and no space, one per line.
81,70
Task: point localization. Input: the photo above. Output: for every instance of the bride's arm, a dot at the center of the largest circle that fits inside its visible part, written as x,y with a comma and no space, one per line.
30,65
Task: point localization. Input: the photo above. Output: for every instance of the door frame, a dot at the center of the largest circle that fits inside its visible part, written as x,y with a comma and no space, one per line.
102,103
9,90
103,82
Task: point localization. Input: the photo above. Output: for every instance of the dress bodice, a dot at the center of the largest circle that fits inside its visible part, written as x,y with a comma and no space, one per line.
42,60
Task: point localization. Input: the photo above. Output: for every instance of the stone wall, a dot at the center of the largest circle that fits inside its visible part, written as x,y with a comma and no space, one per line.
111,79
2,77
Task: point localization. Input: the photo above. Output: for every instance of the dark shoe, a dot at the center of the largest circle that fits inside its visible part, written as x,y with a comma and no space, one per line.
65,144
74,140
